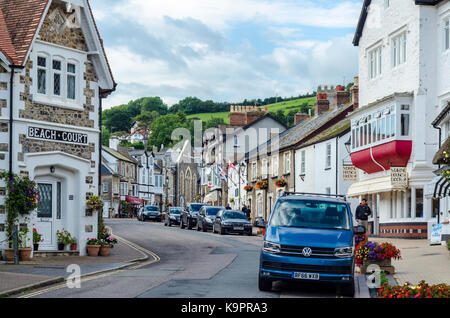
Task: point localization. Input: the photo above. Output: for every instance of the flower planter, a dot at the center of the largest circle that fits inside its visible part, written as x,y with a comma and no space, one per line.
36,246
385,265
25,254
9,254
104,250
93,250
61,246
73,246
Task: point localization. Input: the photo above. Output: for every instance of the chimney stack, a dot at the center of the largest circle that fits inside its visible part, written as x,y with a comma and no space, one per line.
342,96
322,104
355,93
114,143
300,117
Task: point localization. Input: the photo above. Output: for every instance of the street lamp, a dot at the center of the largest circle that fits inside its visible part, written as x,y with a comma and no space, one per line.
348,143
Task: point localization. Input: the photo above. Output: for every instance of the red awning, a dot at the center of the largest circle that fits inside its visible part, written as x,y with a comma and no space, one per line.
134,200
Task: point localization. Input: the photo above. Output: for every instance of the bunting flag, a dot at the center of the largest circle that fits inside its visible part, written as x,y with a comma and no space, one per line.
222,173
230,166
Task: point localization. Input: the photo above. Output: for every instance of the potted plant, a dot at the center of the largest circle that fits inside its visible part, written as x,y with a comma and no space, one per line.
381,254
63,238
248,188
73,244
24,249
280,183
37,238
93,247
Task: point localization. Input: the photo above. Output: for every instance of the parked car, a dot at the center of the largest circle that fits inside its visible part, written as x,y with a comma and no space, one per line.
188,216
206,217
230,221
149,212
309,237
173,216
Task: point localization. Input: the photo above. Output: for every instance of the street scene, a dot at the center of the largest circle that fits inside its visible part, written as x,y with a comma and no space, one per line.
248,150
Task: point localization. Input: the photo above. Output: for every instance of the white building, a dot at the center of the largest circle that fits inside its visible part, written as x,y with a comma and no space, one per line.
403,79
53,64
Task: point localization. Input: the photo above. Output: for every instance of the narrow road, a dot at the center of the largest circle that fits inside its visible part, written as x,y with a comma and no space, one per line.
188,264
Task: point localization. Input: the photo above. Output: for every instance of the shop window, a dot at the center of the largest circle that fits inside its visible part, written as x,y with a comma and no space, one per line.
419,203
435,206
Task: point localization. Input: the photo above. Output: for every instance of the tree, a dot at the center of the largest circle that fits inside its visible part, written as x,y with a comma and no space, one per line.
152,104
105,136
162,128
117,118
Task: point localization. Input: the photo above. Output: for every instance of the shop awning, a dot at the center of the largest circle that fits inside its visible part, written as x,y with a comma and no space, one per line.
210,197
439,187
134,200
372,186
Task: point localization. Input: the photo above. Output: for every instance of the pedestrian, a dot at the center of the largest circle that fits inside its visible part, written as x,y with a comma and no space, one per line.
228,207
246,211
362,213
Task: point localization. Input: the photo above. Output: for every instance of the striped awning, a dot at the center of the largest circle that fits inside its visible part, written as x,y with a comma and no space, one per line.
439,187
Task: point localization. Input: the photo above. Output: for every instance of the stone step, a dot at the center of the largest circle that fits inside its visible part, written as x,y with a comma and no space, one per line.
55,253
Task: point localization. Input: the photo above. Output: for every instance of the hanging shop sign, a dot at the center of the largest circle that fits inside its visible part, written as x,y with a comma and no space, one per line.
399,176
57,135
349,173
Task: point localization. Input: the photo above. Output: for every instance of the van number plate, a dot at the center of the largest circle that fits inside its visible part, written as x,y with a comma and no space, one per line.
312,276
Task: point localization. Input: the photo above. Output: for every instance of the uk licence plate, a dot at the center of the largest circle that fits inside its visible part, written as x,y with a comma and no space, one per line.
301,275
238,228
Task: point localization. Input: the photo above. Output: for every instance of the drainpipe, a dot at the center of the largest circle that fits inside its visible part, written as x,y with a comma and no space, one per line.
440,134
10,148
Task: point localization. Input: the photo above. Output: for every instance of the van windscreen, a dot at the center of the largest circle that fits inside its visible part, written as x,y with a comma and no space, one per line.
313,214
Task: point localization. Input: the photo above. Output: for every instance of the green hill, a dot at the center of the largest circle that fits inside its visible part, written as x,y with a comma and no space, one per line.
295,105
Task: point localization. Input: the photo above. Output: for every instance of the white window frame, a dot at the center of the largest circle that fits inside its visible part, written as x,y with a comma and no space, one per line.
287,163
105,187
446,33
254,170
303,162
375,59
399,49
328,156
275,166
45,69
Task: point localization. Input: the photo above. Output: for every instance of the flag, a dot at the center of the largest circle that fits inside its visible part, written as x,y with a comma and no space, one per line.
230,166
222,173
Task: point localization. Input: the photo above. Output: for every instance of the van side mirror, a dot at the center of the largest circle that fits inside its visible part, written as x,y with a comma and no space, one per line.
359,230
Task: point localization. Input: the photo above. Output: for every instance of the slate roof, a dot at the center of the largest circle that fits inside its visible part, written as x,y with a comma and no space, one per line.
117,154
341,128
306,129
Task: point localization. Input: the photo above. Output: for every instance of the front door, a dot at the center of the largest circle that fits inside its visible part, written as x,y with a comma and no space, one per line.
48,213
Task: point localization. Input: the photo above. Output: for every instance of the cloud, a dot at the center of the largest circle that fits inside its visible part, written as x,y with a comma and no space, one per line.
199,48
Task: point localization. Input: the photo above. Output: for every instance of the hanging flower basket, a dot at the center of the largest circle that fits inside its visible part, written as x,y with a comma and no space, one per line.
280,183
261,185
95,203
248,188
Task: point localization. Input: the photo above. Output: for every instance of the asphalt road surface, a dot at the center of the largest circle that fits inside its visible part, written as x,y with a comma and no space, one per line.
189,264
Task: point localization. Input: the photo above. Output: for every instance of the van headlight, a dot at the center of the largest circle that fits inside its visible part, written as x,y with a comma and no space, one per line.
272,248
342,252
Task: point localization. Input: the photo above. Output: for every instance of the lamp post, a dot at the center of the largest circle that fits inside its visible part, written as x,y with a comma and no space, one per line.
348,144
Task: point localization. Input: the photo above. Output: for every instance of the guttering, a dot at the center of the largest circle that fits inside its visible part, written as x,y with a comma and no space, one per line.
11,113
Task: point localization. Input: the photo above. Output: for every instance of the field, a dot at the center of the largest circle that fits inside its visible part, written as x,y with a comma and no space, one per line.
286,107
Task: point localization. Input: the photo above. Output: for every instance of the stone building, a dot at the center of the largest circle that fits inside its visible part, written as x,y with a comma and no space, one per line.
53,76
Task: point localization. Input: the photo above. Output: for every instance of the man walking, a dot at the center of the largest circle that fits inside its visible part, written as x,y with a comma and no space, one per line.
362,213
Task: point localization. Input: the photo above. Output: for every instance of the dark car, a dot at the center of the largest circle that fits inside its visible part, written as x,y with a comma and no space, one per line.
189,215
229,221
149,212
206,217
173,216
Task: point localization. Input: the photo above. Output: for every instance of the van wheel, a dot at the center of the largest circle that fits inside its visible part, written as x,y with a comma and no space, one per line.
264,284
348,290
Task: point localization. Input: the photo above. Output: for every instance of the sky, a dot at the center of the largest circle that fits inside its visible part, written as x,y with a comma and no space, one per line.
228,50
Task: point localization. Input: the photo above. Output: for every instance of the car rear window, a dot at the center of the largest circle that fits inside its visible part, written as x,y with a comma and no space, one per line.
234,215
213,211
311,214
151,208
196,207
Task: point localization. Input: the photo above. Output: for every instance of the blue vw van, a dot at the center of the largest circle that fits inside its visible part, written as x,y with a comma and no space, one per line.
309,237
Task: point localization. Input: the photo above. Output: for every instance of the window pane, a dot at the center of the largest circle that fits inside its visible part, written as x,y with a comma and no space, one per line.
41,81
71,86
392,125
42,61
378,129
57,65
404,124
44,208
57,84
369,133
388,127
374,131
383,128
419,203
71,68
58,200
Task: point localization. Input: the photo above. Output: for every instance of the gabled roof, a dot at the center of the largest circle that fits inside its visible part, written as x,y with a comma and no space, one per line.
19,24
116,154
363,16
21,20
268,115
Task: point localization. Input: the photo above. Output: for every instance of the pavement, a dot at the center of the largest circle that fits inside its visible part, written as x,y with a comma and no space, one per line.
420,261
44,271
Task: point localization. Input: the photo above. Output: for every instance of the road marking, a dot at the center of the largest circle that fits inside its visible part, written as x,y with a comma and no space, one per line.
156,258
